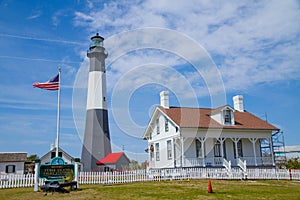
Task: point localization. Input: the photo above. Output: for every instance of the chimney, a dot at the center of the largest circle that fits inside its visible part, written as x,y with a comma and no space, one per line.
51,146
238,103
164,99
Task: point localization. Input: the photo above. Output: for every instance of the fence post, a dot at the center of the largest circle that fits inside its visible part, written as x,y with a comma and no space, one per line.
36,175
291,176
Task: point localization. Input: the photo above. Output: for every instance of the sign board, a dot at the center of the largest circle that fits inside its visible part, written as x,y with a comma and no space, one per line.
57,170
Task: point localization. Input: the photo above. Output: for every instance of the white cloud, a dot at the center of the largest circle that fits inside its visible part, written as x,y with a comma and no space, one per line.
35,15
252,42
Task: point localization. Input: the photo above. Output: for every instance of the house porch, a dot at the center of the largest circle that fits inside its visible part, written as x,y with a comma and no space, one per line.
224,151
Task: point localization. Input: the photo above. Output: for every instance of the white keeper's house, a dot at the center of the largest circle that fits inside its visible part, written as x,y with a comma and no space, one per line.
207,137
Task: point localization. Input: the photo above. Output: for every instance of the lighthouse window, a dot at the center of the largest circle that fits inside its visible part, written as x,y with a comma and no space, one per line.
104,99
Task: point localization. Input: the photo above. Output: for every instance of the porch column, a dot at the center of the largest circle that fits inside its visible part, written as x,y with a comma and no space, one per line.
235,140
202,140
272,151
221,140
253,140
182,151
174,150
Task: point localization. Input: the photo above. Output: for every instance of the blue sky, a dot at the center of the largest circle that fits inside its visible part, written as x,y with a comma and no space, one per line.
255,46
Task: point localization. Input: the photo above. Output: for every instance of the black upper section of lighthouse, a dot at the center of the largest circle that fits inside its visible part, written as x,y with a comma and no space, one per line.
96,40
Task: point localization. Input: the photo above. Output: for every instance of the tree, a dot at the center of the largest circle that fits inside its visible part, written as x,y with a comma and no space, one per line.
31,157
133,165
29,164
293,163
143,165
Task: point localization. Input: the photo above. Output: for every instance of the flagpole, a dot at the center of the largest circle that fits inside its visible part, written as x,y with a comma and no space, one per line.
58,114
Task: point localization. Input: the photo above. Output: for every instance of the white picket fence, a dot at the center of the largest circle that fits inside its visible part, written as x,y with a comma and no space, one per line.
184,174
15,181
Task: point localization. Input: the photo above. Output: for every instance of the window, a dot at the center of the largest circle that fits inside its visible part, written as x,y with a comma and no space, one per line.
166,125
157,151
10,168
198,149
239,149
151,152
217,149
157,126
227,116
169,149
53,154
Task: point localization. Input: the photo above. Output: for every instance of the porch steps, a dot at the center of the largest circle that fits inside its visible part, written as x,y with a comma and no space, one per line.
227,165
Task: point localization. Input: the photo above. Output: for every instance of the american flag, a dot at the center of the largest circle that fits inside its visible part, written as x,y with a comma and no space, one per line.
52,84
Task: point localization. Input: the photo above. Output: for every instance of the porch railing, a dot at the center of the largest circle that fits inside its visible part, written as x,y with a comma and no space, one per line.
203,162
189,162
260,161
218,162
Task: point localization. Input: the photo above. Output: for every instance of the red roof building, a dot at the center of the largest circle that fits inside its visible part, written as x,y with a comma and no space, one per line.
114,161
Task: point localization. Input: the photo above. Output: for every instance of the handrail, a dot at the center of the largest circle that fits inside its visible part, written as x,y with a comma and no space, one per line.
227,165
242,164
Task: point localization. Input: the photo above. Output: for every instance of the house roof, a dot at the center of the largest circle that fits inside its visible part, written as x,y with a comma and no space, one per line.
13,157
110,158
59,149
219,109
200,118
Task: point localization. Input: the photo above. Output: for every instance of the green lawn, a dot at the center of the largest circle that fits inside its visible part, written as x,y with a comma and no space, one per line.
195,189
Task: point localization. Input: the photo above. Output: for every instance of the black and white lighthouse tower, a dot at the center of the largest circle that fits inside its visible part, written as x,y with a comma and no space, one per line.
96,143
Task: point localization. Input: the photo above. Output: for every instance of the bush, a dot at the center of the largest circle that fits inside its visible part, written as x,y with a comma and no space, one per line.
293,163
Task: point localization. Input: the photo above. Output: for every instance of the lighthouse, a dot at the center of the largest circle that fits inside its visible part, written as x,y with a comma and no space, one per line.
96,142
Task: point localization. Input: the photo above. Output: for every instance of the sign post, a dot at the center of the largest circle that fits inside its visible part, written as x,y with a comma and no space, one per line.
36,175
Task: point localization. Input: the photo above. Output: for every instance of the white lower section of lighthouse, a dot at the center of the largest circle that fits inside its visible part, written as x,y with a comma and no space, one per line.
96,89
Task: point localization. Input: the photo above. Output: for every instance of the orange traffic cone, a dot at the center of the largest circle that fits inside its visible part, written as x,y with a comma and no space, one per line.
209,187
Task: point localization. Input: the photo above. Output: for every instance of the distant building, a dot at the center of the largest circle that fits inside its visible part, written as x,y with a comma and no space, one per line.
208,137
12,163
46,159
114,161
289,152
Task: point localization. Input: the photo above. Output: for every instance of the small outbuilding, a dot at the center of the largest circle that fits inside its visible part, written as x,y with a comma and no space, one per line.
12,163
46,159
114,161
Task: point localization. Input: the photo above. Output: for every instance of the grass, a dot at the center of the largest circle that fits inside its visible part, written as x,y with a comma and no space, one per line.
195,189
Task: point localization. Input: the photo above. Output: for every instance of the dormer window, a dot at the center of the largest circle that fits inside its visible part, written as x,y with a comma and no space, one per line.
223,115
227,116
